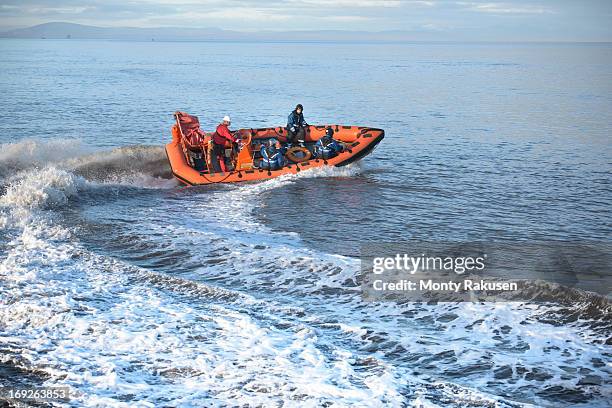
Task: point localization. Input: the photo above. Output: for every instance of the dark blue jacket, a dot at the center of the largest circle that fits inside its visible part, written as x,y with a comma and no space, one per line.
271,153
296,119
327,147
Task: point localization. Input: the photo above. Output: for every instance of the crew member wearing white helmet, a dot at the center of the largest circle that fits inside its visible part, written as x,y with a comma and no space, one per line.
221,138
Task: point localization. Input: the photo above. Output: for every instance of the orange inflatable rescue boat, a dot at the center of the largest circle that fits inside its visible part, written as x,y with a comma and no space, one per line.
190,151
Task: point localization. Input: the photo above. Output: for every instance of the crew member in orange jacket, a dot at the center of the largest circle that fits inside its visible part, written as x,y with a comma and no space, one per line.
221,136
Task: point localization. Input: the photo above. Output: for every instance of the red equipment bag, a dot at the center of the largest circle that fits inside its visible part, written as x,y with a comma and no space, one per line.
190,128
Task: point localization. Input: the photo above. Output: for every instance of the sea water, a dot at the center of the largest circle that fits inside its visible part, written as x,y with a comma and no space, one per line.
133,291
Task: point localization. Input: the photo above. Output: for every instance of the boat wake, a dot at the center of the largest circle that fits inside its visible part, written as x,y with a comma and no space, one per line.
139,166
151,295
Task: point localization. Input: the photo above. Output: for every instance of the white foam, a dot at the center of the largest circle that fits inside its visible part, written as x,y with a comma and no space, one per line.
106,339
299,272
109,330
32,153
130,165
46,188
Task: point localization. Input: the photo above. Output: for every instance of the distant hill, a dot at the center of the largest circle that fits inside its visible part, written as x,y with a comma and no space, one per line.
61,30
79,31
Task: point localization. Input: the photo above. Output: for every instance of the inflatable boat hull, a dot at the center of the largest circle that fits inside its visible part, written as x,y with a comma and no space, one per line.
359,142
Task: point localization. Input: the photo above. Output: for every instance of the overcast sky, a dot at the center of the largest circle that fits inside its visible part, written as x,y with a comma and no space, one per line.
574,20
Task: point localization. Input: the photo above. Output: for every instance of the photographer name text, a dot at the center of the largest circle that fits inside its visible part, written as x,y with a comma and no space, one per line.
406,285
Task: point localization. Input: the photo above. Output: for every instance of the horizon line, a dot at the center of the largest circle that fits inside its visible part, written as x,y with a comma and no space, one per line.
403,36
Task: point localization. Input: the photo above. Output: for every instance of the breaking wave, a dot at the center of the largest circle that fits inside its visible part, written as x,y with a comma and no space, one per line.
139,166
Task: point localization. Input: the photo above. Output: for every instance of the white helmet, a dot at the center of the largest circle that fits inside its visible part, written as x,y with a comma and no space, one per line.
226,118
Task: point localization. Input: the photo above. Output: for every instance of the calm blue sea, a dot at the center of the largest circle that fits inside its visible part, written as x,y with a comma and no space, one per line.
135,291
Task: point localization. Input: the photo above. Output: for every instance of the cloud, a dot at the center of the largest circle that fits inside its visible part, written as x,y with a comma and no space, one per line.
440,19
346,3
57,10
346,19
238,13
505,8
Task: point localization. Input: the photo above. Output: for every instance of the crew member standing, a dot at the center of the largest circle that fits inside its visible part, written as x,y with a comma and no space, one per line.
296,126
220,139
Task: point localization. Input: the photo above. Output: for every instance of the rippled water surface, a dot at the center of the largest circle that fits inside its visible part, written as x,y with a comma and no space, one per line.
134,291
